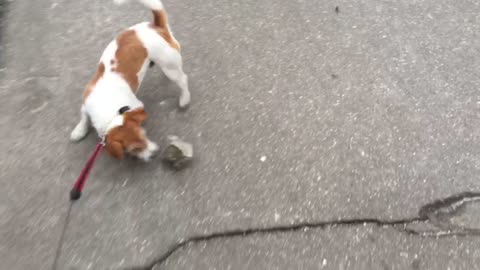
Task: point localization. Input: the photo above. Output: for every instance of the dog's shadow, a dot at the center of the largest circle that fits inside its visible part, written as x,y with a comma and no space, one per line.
157,89
134,168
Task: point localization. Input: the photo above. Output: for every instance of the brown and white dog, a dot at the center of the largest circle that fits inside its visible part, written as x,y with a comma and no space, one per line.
109,100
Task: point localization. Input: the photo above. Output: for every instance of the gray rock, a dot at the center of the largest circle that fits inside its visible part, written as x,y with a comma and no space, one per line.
178,153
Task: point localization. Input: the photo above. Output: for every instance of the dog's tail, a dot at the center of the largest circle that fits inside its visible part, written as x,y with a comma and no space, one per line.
156,6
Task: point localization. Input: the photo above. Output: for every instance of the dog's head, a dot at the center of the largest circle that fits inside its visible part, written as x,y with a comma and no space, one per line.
129,137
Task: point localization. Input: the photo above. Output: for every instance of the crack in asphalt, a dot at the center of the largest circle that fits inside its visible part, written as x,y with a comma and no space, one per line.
438,213
433,213
281,229
441,214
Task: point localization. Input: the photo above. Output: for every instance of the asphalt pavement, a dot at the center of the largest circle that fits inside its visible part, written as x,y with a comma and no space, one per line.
327,135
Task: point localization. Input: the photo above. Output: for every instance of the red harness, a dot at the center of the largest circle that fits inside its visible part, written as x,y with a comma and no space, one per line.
76,191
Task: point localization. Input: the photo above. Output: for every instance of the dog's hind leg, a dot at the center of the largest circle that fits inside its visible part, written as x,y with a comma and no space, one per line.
172,67
180,78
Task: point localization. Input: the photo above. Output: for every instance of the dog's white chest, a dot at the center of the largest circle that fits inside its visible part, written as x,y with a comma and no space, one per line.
108,96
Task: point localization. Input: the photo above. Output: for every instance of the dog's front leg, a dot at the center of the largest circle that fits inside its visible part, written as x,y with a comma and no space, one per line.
82,127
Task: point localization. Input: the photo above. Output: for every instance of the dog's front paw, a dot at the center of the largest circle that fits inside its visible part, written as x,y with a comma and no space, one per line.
78,133
148,153
152,147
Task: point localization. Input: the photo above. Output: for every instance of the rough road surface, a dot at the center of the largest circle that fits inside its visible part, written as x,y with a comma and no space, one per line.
325,138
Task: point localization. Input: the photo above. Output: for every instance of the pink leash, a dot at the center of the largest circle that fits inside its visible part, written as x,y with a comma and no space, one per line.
76,191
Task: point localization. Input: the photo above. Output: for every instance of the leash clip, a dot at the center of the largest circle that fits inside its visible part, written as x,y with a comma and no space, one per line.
103,140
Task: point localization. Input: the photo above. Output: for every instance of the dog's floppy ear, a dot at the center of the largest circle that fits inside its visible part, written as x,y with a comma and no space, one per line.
114,148
138,115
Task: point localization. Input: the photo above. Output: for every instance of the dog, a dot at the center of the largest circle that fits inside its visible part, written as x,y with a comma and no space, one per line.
110,104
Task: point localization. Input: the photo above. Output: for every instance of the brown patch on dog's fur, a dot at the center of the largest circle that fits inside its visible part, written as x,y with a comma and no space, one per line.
165,34
130,57
160,18
129,136
93,81
137,115
160,24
